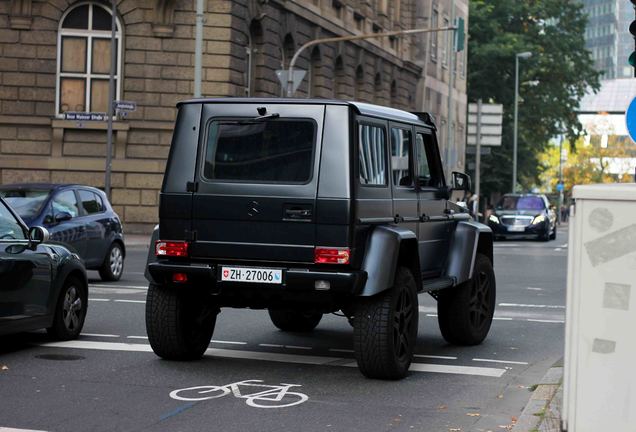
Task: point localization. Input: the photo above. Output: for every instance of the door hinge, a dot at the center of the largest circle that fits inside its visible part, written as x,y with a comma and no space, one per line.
192,186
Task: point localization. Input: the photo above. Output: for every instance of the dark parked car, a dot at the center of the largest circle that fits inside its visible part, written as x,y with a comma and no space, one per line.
78,216
42,285
307,207
523,215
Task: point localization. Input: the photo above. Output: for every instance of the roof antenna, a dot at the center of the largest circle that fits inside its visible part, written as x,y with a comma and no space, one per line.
261,110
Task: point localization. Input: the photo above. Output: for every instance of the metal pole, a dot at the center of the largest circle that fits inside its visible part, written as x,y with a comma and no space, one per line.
198,49
560,203
290,71
111,97
514,128
478,161
451,62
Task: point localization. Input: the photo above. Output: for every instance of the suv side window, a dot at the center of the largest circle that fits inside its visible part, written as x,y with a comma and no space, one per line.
65,202
372,155
401,166
423,167
91,202
10,229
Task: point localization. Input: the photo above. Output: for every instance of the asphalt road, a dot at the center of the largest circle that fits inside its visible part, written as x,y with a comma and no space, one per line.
109,379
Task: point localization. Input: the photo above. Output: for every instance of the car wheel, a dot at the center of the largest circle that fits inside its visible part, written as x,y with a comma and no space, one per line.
294,321
113,266
70,310
553,234
179,323
385,329
465,312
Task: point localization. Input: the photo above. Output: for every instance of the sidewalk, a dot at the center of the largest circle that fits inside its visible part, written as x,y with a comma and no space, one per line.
543,411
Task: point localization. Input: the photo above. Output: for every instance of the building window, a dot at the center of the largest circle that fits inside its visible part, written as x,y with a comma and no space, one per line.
83,59
434,35
255,40
377,83
359,87
314,70
394,94
445,45
340,84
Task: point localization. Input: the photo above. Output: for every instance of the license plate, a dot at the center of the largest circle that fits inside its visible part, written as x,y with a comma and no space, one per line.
252,275
516,228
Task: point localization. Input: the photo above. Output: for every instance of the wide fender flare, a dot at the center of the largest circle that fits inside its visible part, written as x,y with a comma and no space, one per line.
381,257
469,239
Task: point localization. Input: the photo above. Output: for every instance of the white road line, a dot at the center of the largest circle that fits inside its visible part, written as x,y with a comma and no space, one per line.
535,289
130,301
277,357
285,346
500,361
99,299
229,342
348,351
137,337
506,245
558,249
431,315
271,345
298,347
6,429
100,335
140,287
546,321
531,306
502,319
435,357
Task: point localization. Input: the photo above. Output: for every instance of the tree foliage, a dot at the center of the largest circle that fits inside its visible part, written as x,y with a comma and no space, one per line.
552,81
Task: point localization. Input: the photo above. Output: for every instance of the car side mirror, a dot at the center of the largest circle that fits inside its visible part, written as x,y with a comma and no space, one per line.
460,181
63,216
38,234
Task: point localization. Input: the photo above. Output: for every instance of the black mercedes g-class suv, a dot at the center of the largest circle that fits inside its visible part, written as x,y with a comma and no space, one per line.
307,207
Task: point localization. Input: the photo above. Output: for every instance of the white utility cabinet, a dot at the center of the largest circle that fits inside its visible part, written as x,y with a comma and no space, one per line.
600,340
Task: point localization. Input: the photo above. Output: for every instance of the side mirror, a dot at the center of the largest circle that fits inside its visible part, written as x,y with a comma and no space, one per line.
38,235
460,181
63,216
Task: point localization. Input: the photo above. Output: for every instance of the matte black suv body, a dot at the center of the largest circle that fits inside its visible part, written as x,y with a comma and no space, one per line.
306,207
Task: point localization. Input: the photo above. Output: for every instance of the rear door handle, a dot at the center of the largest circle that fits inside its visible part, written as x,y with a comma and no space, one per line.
298,213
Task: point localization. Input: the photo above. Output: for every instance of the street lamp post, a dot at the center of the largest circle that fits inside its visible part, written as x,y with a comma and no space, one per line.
523,55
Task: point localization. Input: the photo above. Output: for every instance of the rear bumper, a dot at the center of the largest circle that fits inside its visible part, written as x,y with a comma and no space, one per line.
296,279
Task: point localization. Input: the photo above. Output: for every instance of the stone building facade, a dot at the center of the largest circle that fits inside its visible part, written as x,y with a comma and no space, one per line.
55,59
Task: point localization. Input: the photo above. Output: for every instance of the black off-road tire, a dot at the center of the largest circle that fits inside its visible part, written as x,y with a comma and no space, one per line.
70,310
113,266
179,323
385,329
294,321
465,312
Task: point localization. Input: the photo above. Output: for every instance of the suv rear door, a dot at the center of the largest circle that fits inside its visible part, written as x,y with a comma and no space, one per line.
256,182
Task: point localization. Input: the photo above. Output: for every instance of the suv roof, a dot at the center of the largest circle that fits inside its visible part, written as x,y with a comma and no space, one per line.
421,119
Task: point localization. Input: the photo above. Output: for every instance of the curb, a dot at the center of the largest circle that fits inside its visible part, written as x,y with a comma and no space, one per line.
543,411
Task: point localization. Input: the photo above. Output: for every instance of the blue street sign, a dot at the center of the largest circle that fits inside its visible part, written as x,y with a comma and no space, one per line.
630,119
559,187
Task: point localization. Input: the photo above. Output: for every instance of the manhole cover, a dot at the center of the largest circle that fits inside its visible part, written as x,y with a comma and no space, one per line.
60,357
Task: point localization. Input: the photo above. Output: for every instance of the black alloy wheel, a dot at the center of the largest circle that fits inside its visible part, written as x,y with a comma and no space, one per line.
70,310
465,312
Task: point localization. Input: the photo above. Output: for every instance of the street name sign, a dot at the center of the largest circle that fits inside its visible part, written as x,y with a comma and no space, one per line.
85,116
123,105
490,124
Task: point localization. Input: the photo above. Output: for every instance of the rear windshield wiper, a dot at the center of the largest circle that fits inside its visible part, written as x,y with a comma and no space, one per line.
258,119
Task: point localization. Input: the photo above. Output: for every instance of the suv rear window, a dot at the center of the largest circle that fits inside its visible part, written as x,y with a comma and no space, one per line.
273,151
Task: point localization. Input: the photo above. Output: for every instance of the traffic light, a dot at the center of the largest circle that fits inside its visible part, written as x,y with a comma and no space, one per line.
460,34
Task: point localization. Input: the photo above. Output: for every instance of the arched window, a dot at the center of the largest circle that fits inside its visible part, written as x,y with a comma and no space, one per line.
377,84
359,87
254,43
314,69
340,85
84,59
289,48
394,94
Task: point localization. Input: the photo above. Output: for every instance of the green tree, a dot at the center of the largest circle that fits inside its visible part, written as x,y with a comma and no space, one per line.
552,81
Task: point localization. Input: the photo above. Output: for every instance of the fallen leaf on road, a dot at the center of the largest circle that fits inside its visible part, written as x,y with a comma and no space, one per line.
4,367
442,407
454,430
500,396
473,414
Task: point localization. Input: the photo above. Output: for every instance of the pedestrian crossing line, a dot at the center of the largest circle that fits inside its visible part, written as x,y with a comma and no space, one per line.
500,361
278,357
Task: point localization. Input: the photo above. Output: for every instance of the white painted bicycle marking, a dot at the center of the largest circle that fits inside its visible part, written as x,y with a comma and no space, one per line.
274,396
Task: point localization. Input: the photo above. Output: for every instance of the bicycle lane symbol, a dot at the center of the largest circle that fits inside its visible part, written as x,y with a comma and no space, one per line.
255,393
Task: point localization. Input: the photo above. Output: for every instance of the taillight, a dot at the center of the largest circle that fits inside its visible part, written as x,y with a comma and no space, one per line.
171,248
327,255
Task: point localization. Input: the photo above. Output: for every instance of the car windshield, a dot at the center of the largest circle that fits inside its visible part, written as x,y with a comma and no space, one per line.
521,203
26,202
